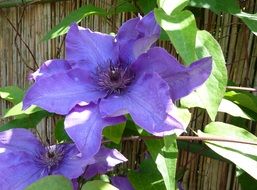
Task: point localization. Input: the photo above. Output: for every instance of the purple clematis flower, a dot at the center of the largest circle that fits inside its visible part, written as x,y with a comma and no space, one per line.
25,160
105,77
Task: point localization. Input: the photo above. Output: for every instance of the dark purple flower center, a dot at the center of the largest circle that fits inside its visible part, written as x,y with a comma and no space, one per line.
50,158
115,78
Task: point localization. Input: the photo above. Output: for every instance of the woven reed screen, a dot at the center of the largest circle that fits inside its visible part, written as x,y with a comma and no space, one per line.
24,25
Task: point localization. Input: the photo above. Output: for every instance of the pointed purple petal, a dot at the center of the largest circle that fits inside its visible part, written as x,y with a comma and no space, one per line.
136,36
147,101
19,140
59,93
183,83
182,80
84,125
121,183
105,160
83,44
51,67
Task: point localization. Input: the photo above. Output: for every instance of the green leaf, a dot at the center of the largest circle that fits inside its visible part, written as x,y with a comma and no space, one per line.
233,109
17,110
29,121
146,5
228,6
98,185
164,152
210,94
114,133
75,16
173,6
247,182
59,131
12,94
54,182
122,6
243,155
244,99
181,29
147,177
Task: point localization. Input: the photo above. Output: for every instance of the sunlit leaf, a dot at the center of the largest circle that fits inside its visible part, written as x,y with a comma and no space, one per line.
243,155
17,110
172,6
98,185
233,109
54,182
210,94
75,16
181,29
164,152
12,94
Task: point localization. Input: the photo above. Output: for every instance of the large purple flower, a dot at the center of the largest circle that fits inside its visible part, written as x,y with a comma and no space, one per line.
112,76
25,160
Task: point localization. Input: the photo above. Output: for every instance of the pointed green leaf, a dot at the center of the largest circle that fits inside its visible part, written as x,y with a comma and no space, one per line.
210,94
233,109
147,177
114,133
55,182
17,110
12,94
98,185
164,152
75,16
243,155
173,6
181,29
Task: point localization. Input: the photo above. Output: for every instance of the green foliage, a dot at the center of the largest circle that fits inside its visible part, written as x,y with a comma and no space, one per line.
29,121
59,131
233,109
98,185
147,177
12,94
164,152
54,182
17,110
228,6
75,16
247,182
114,133
210,94
173,6
243,155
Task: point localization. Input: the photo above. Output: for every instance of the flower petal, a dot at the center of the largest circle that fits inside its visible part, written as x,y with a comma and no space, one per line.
136,36
84,125
105,160
51,67
121,183
147,101
19,139
83,44
72,165
182,80
59,93
19,173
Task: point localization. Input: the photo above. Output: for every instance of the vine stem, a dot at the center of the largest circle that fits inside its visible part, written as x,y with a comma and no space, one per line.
242,88
186,138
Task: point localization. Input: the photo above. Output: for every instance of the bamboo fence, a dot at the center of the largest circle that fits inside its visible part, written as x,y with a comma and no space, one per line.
24,23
